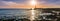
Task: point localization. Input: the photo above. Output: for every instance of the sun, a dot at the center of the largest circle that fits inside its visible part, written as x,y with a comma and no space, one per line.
33,2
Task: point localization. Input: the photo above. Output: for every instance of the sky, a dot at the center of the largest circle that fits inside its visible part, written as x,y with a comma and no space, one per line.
27,4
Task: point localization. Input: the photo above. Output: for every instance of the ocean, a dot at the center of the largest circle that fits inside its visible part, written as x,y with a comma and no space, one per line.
25,14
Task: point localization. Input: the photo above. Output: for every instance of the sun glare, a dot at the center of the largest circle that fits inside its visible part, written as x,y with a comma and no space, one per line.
32,14
33,2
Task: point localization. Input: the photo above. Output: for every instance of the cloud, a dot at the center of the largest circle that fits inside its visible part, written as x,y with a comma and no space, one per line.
11,4
24,4
49,3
